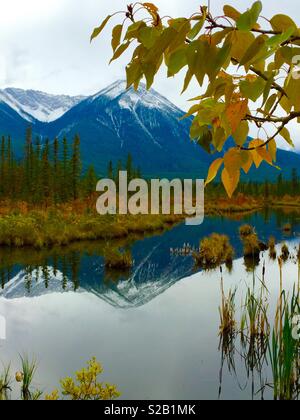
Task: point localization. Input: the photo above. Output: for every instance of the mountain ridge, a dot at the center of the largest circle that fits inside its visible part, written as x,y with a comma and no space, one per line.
117,121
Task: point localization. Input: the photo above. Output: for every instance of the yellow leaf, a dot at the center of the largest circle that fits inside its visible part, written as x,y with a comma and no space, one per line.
213,170
285,134
241,41
231,12
97,31
235,112
241,133
272,147
247,161
233,160
260,153
151,7
282,23
230,181
116,37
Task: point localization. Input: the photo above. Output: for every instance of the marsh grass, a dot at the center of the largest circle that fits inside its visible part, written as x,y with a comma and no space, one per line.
285,252
5,383
214,251
27,375
264,342
85,387
57,226
251,245
284,350
272,248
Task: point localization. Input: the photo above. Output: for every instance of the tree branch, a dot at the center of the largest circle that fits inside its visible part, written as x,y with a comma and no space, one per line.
284,121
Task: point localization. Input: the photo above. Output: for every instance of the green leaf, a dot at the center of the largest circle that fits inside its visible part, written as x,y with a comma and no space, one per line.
176,61
133,72
187,80
285,134
241,134
116,37
148,36
161,44
252,90
134,30
197,28
97,31
270,103
248,19
276,40
240,41
219,139
258,44
205,139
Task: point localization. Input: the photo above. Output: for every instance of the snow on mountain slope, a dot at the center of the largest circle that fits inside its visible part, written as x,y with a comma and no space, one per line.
34,105
129,98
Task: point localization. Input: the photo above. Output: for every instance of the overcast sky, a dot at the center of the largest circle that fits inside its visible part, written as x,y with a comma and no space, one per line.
44,44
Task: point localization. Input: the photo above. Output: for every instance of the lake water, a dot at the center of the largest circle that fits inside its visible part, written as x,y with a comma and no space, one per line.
155,329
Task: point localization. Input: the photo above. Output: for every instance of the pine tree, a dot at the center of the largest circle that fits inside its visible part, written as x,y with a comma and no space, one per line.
90,181
110,171
129,167
28,162
65,171
75,168
46,173
294,182
56,170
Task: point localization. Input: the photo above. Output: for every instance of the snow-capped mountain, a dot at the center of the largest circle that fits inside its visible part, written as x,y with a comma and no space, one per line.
34,105
115,122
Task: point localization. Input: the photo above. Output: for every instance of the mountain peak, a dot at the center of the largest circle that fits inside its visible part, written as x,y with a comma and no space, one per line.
131,98
36,105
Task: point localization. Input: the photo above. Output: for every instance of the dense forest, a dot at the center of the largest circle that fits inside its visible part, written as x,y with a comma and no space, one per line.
51,172
264,189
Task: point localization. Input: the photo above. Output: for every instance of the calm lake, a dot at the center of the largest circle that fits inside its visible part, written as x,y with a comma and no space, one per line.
155,329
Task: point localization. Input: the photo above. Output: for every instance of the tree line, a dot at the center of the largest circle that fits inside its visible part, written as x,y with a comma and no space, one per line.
278,188
48,172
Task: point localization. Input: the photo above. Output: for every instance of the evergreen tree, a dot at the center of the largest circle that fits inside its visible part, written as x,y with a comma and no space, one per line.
110,171
90,181
129,168
76,167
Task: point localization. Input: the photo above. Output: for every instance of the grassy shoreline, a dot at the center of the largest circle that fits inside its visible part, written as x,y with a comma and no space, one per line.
22,225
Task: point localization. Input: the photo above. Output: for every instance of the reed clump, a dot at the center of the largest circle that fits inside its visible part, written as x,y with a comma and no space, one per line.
272,248
227,314
251,245
246,230
285,252
284,349
5,384
214,251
